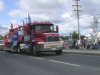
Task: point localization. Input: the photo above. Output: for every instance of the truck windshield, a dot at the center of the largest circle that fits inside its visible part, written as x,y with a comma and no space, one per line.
44,28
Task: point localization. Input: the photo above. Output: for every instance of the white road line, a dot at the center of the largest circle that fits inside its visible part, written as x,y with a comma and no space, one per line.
38,58
60,62
65,63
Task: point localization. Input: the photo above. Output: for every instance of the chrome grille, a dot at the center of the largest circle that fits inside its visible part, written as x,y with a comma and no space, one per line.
52,38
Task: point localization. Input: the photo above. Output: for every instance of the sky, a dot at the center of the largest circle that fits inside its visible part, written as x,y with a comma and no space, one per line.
59,12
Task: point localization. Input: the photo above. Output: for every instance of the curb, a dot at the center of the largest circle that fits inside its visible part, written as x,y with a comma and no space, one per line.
87,52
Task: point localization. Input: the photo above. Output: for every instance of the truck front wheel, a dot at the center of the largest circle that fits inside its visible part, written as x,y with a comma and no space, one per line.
17,49
58,52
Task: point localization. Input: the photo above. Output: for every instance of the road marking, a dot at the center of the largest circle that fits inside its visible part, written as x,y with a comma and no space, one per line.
57,61
38,58
65,63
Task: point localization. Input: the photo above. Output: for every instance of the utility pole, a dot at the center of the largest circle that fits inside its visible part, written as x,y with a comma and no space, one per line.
95,28
78,16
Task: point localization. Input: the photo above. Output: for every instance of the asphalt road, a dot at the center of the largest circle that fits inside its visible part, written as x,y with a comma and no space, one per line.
49,64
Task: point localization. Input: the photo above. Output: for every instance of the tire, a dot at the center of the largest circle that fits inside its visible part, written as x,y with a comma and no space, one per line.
58,52
17,49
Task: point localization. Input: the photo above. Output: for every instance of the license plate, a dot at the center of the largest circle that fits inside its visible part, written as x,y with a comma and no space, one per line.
53,48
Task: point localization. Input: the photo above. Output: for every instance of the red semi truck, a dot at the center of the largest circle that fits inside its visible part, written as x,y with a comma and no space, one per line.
34,37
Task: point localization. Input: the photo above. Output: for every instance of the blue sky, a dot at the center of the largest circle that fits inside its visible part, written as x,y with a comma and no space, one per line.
9,5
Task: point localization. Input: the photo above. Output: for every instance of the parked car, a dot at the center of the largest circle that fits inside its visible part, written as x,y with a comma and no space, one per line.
1,44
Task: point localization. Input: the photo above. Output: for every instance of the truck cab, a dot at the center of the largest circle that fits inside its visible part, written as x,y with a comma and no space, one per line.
46,38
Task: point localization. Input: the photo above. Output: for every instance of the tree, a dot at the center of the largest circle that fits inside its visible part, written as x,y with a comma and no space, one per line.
1,37
82,37
64,37
74,35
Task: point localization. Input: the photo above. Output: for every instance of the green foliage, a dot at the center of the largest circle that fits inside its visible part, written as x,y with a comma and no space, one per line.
82,37
1,37
64,37
74,35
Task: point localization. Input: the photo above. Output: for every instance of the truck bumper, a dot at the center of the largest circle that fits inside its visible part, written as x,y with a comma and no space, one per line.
42,49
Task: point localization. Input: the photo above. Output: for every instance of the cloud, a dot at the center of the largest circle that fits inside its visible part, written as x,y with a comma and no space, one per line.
59,12
49,8
90,7
14,13
3,30
1,5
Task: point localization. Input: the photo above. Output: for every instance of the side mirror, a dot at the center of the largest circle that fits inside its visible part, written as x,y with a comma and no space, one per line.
57,29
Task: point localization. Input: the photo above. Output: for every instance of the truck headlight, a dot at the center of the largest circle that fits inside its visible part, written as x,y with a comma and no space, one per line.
40,42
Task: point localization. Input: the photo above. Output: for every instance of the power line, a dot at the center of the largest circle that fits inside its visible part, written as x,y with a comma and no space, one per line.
83,16
80,17
55,9
80,10
65,2
93,9
57,6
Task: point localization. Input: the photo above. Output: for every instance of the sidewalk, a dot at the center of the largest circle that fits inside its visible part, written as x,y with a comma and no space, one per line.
82,51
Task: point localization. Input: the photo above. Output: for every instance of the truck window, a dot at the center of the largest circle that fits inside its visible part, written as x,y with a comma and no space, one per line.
44,28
